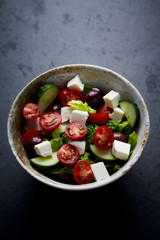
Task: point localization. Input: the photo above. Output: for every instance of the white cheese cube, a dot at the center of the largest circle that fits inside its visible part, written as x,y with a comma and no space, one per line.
66,113
81,116
80,145
121,150
112,99
99,171
43,149
117,114
34,124
75,84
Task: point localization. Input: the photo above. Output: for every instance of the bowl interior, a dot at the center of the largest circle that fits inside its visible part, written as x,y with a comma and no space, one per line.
104,79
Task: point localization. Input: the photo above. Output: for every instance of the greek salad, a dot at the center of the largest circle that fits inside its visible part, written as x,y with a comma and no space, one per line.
78,134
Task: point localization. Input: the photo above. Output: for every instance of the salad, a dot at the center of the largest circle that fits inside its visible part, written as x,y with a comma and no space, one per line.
78,134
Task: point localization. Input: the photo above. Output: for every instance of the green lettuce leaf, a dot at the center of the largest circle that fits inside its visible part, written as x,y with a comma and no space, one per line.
61,170
132,139
56,141
87,88
88,138
125,128
65,138
79,105
113,125
85,157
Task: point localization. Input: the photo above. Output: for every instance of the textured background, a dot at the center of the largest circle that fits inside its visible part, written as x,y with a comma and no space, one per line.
42,34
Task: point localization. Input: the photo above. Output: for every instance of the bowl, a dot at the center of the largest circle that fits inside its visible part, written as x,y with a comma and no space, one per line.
101,77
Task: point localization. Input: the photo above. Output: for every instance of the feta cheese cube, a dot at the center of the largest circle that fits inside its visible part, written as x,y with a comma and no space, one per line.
80,145
117,114
112,99
75,84
43,149
66,113
121,150
81,116
34,124
99,171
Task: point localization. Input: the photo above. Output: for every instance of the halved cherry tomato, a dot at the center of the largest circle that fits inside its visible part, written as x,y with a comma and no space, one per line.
50,121
76,130
31,111
71,95
82,172
68,154
103,109
30,134
103,137
98,118
63,91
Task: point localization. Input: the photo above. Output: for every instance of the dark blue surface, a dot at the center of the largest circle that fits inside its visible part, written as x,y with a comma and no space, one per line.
121,35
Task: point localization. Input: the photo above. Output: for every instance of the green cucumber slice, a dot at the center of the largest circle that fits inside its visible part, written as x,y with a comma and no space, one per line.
131,111
45,95
62,127
102,155
45,162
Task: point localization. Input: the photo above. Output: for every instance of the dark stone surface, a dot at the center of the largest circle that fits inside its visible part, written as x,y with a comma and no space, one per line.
121,35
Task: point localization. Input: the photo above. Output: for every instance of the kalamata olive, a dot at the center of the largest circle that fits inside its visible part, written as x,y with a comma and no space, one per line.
119,136
94,98
54,108
30,146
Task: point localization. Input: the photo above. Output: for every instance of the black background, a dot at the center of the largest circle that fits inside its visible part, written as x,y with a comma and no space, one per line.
42,34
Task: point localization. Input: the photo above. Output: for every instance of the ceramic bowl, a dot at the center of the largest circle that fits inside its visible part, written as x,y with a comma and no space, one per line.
101,77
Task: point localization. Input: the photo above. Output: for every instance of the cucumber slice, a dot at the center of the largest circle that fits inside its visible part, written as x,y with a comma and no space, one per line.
46,95
45,162
62,127
131,111
102,155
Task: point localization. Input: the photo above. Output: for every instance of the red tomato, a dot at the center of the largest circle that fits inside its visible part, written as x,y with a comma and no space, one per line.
30,134
68,154
71,95
103,137
31,111
103,108
63,91
98,118
76,130
82,172
50,121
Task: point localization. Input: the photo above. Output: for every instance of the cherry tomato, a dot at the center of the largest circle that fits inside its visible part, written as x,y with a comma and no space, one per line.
76,130
68,154
82,172
50,121
30,134
71,95
103,137
31,111
98,118
103,108
63,91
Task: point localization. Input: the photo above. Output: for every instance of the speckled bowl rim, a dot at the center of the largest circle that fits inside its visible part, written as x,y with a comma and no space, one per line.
141,144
